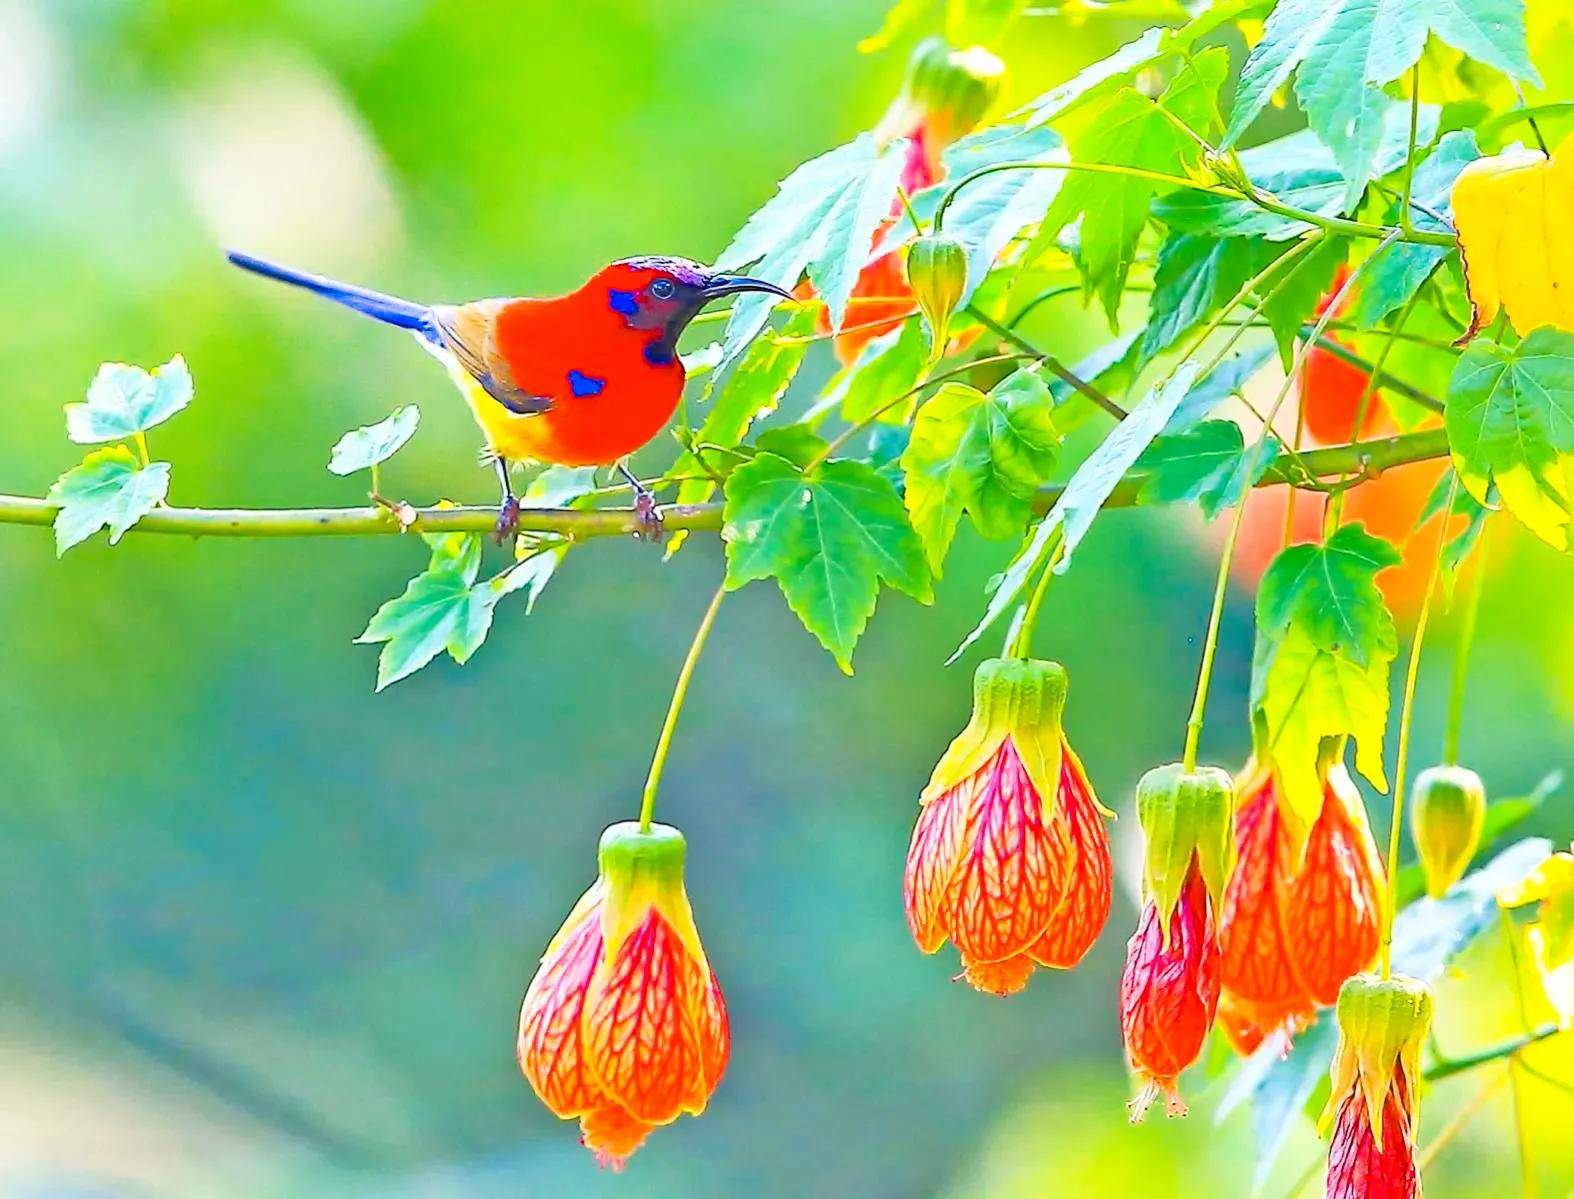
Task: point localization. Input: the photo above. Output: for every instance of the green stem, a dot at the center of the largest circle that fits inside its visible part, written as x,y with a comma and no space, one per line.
1462,644
1402,760
1051,364
1405,222
907,207
1447,1067
1024,641
857,427
1329,224
680,691
141,439
1199,699
1332,462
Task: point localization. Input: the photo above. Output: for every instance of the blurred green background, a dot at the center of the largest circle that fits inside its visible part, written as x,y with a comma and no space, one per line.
265,932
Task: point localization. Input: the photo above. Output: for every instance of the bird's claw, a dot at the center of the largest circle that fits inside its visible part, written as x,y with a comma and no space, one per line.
647,516
507,519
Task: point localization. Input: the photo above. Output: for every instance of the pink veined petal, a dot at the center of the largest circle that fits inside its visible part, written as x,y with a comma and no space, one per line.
932,859
1013,871
1081,917
639,1042
550,1046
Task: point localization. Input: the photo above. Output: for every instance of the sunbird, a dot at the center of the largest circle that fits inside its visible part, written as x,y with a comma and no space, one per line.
584,379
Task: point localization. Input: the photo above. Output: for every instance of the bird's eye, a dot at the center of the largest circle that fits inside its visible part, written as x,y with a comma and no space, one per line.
663,289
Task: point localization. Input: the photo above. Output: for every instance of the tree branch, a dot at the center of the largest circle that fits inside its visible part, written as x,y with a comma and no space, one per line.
1370,457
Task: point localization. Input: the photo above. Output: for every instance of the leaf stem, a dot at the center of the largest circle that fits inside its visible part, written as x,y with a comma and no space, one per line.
1405,222
1263,200
680,691
857,427
1402,758
1462,645
141,439
1447,1067
1051,363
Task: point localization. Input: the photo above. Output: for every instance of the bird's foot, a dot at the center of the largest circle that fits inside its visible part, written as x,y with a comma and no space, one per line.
507,519
648,517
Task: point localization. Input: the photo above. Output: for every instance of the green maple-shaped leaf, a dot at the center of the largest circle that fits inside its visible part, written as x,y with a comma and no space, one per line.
372,444
1325,642
753,390
1194,276
985,454
1510,419
123,401
823,220
1094,481
1132,131
1209,464
1346,51
828,536
110,487
442,608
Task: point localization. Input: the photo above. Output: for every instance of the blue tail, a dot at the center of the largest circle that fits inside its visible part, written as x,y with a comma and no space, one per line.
389,309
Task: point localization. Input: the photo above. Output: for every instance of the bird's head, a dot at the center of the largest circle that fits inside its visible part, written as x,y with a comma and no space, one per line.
662,295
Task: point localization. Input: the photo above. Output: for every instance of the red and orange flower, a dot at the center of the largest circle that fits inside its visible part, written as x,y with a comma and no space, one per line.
944,96
1372,1105
1169,990
1010,858
1299,916
624,1026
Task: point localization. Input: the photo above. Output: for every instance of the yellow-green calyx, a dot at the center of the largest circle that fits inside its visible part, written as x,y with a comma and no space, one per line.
1446,814
642,870
937,273
955,87
1382,1025
1022,700
1186,815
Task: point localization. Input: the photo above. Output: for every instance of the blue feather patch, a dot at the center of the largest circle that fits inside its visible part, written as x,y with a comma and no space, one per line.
658,355
585,385
622,301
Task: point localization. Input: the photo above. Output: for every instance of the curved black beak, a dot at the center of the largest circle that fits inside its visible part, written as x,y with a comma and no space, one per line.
730,285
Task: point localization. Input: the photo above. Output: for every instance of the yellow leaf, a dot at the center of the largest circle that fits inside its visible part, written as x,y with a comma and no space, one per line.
1512,212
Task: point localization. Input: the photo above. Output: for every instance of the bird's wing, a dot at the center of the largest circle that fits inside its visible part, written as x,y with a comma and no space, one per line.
469,333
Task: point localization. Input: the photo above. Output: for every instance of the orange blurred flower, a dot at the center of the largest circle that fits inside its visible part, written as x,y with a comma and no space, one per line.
1297,919
624,1026
1009,858
1331,389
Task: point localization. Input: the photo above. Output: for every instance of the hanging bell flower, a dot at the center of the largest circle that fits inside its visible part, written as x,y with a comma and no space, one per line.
1297,920
937,271
1010,858
1446,815
1169,990
624,1026
1373,1103
944,96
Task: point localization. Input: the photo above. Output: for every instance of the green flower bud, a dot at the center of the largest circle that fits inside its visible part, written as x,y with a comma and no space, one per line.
937,273
1383,1023
1445,819
1185,815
